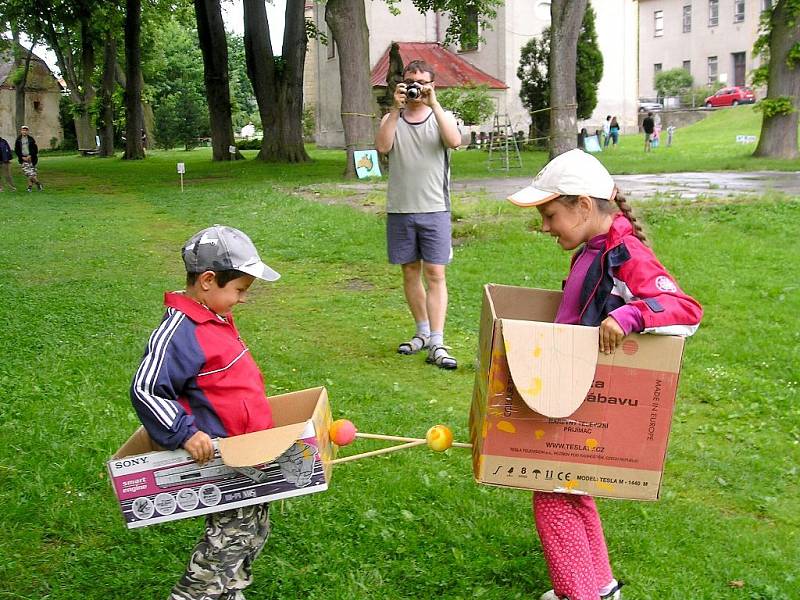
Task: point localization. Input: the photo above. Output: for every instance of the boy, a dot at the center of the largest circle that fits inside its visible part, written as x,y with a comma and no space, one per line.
198,381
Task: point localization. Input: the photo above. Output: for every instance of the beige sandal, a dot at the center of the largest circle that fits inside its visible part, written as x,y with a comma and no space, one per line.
439,356
414,345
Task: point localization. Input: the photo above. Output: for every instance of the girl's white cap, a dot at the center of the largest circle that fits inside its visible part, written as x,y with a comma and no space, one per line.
574,173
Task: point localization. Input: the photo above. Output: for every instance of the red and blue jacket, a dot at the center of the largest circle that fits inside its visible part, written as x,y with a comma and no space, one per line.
627,272
198,375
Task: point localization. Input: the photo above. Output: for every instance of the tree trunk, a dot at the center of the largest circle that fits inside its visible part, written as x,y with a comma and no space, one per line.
566,18
106,93
778,137
84,127
19,87
213,44
347,21
133,89
146,108
279,92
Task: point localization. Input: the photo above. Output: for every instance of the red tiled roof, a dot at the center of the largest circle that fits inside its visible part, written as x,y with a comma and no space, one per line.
451,69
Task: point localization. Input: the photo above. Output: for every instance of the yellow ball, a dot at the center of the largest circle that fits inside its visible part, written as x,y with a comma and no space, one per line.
439,438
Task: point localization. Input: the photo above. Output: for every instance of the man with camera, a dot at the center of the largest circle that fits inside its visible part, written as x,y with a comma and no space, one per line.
418,134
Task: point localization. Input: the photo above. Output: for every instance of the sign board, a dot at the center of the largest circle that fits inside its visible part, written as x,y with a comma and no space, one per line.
366,163
181,168
745,139
232,149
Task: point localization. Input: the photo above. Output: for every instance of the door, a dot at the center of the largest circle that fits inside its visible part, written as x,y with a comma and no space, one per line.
739,67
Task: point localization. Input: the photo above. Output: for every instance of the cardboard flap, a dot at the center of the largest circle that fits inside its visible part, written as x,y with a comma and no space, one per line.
260,446
552,365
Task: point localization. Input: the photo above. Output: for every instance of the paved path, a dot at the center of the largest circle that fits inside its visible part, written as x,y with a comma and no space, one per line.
675,185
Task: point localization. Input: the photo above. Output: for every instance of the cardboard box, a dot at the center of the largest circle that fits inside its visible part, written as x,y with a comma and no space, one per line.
609,415
154,485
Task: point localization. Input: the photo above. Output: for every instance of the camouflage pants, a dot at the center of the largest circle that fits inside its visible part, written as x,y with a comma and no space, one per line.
222,561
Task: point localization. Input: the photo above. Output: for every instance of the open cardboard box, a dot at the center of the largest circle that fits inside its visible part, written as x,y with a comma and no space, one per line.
154,485
551,413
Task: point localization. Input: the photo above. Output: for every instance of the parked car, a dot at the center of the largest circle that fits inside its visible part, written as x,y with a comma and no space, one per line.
647,106
731,96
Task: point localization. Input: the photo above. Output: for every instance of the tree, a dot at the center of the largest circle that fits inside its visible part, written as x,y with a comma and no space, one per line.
347,21
106,119
535,82
277,82
779,47
134,123
174,67
472,103
566,17
22,62
673,82
348,25
213,44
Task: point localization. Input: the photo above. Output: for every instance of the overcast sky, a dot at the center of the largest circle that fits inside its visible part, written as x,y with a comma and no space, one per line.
231,12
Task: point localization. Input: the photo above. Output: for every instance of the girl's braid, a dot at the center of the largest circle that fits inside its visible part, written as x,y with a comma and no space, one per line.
626,210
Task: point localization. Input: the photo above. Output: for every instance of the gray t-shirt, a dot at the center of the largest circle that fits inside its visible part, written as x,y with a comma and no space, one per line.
419,169
24,147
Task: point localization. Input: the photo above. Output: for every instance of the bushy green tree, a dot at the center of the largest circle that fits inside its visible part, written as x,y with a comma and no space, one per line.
535,81
472,103
673,82
174,72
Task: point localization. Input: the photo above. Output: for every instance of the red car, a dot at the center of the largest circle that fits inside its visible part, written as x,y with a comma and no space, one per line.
731,96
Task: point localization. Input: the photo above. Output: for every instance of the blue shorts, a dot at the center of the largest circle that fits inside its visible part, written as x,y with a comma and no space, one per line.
419,236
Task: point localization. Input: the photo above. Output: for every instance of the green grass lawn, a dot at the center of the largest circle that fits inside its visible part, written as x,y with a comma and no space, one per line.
84,267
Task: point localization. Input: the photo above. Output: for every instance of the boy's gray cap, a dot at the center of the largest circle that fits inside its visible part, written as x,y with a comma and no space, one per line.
222,248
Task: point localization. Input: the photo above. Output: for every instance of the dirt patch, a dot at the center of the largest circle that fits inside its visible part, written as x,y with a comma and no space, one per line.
357,284
366,197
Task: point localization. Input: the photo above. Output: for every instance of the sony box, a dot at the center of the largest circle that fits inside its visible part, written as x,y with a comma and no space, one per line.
551,413
154,485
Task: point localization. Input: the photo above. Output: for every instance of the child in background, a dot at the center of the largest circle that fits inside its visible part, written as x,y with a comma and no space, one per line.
615,282
198,381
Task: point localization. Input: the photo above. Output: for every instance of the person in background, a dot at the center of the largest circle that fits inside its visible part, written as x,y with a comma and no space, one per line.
649,127
613,131
6,155
418,135
617,284
28,156
606,131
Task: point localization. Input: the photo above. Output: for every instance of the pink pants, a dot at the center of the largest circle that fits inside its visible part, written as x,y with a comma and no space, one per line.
573,543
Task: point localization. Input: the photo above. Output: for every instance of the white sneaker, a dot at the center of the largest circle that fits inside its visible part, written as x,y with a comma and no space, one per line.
613,594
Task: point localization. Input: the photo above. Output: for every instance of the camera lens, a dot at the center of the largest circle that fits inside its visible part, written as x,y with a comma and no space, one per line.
413,92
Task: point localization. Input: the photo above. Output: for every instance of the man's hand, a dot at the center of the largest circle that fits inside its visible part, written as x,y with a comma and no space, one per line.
611,335
400,95
200,447
429,96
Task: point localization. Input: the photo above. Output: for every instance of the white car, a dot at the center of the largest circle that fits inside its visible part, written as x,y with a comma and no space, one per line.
650,106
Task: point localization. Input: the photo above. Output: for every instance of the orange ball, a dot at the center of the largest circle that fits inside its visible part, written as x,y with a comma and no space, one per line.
439,438
342,432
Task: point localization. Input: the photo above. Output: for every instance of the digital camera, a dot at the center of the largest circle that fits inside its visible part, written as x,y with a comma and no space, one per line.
414,91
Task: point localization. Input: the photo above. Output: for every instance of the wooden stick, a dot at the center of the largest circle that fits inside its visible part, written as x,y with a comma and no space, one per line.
377,452
397,438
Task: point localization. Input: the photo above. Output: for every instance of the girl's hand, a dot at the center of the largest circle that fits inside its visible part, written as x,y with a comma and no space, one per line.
200,447
611,335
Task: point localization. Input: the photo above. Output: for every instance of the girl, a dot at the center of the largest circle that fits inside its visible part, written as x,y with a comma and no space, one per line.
615,282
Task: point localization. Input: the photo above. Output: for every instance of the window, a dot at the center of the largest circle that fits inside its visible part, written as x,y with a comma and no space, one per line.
713,13
738,11
37,106
687,18
687,66
712,70
468,40
658,23
766,5
657,68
